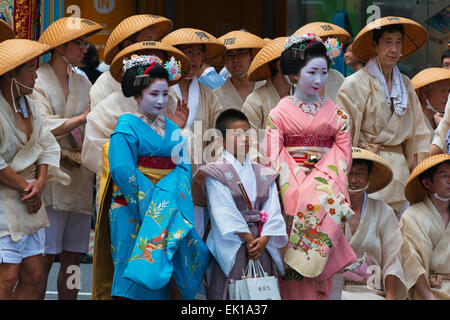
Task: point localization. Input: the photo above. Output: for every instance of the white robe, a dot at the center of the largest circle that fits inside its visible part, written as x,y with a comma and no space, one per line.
425,249
440,133
227,221
378,235
229,97
102,88
55,110
20,153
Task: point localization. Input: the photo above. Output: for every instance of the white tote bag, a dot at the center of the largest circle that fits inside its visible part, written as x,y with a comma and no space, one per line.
257,285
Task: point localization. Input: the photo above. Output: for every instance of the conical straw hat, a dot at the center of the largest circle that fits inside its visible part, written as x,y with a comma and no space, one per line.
5,31
414,38
259,68
429,76
145,47
213,47
132,25
240,40
381,174
414,191
15,52
67,29
325,30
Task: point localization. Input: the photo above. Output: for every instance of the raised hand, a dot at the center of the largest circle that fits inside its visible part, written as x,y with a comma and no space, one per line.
181,114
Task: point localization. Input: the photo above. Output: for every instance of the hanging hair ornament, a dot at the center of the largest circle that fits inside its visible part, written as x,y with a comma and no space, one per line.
173,67
334,48
305,41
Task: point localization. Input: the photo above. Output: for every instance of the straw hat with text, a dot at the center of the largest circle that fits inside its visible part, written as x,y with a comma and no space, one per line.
414,191
148,48
414,38
5,31
325,30
185,36
67,29
15,52
259,68
429,76
131,26
381,174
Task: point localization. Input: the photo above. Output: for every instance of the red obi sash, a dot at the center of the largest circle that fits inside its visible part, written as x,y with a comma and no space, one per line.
162,163
308,140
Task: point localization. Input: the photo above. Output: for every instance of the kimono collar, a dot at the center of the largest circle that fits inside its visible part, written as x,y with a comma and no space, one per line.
193,99
230,158
398,92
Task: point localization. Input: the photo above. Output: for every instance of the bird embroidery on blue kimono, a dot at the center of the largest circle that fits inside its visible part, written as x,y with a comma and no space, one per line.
153,244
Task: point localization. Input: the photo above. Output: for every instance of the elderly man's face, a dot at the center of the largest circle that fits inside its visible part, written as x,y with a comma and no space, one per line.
438,94
389,48
440,183
358,176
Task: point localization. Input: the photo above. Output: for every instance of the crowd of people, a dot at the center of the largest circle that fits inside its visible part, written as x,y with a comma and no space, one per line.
194,155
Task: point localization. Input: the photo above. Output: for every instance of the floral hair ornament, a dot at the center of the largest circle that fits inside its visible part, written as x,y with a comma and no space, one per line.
305,40
334,47
173,67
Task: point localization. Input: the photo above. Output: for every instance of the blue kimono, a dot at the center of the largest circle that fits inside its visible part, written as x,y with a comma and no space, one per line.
152,218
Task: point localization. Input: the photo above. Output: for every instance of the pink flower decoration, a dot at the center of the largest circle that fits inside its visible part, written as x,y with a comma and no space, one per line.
264,216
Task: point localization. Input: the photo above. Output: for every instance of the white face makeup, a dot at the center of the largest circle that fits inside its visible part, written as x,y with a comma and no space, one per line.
313,76
154,98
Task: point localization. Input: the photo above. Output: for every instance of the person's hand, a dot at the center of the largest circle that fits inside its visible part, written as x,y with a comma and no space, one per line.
257,247
32,195
437,118
181,114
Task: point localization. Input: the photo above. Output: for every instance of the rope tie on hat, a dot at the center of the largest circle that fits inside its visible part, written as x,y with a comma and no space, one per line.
23,108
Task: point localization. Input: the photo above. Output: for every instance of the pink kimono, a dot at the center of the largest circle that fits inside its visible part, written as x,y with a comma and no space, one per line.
315,199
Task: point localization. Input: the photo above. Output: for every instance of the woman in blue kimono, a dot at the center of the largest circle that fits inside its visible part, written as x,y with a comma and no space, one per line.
149,248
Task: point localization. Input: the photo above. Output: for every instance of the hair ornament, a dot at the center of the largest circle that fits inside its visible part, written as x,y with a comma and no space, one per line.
334,48
305,40
173,67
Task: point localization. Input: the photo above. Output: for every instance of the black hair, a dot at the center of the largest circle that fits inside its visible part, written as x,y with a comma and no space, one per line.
378,33
228,116
291,64
130,89
429,173
362,161
273,67
445,54
347,44
90,59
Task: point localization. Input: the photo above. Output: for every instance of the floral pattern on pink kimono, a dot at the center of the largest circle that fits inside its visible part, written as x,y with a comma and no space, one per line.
315,201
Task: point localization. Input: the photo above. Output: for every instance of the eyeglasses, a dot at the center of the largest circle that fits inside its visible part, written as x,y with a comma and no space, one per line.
81,43
238,54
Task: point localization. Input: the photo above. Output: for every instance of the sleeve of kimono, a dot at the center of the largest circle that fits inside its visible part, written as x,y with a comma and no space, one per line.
51,120
421,139
440,133
253,110
273,141
223,211
391,243
3,163
95,136
123,153
416,249
215,108
51,150
275,226
352,97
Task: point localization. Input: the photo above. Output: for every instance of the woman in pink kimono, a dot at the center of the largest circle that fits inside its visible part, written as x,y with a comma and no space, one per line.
308,142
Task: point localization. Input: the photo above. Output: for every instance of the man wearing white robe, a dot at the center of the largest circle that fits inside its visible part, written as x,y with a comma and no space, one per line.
374,234
426,231
29,157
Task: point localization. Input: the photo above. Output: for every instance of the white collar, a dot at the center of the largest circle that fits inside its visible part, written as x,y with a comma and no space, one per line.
232,159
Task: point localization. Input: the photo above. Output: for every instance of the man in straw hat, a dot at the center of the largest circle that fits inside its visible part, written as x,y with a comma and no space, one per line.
242,46
432,86
425,230
373,233
325,30
204,106
102,120
62,97
266,66
386,116
28,152
137,28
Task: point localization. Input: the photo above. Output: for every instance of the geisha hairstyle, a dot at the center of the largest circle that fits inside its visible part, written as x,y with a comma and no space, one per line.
299,50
